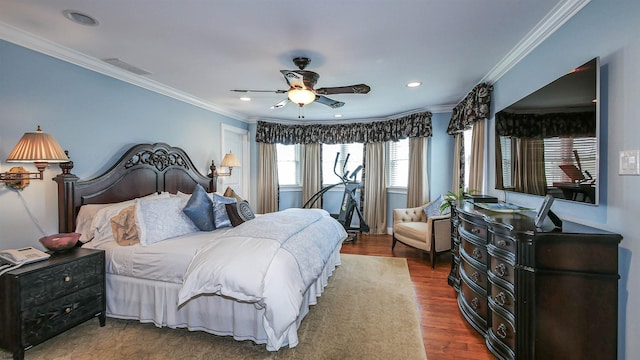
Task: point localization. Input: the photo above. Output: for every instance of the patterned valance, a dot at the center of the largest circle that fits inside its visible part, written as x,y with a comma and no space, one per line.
414,125
577,124
475,106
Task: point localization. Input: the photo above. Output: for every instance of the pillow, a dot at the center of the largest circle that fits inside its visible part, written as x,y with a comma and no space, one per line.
199,209
232,194
220,217
239,212
161,219
433,209
123,226
99,216
85,218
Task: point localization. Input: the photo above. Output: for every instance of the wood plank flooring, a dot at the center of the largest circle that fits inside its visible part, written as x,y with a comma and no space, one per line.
445,333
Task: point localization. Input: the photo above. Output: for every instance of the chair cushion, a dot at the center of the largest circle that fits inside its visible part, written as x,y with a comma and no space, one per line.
413,230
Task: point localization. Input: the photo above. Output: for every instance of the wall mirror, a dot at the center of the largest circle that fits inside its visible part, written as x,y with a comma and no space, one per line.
547,142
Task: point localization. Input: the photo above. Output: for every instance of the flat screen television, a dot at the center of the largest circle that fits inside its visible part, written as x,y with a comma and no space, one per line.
547,142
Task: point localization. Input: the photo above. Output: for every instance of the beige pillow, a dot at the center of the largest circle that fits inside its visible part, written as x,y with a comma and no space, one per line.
123,226
232,194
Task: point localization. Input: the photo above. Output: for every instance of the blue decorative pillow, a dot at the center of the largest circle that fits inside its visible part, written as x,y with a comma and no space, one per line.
220,216
199,209
433,209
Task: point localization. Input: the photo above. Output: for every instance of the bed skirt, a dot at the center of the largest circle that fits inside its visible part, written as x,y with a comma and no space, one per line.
151,301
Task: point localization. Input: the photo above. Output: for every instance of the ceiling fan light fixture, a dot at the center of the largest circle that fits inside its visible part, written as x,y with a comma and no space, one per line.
301,96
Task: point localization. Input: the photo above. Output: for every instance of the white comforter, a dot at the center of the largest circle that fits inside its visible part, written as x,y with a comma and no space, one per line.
263,262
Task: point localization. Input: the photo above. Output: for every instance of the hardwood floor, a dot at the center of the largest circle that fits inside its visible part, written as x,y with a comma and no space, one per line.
445,333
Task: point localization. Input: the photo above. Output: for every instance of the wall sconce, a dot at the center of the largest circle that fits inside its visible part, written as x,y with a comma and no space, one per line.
230,160
34,147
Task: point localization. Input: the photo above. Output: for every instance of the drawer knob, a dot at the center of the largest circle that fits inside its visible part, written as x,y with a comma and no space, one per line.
477,253
67,310
67,278
475,231
501,298
475,303
502,331
501,269
475,276
501,243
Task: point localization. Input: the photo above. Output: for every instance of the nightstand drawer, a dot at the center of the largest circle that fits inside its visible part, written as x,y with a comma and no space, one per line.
44,321
42,286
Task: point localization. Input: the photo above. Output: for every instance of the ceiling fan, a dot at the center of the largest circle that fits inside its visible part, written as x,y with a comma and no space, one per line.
301,91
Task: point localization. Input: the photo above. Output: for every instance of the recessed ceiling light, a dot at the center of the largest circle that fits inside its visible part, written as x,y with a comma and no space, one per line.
245,98
414,84
337,115
80,18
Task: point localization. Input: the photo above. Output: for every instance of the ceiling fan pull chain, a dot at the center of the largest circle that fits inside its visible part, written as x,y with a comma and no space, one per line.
301,111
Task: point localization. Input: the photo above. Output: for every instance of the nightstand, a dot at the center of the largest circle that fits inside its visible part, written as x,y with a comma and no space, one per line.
43,299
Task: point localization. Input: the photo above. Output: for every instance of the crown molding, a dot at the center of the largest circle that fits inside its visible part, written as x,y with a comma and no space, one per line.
559,15
35,43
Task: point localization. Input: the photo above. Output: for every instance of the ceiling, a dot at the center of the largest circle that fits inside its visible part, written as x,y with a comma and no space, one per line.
198,50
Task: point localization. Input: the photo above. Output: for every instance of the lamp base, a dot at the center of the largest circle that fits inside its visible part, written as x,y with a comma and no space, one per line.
22,182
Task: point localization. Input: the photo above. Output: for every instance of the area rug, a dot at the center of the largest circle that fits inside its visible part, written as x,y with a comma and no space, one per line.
368,311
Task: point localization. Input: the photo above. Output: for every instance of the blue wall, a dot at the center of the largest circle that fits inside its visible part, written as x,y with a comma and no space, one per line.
93,116
610,30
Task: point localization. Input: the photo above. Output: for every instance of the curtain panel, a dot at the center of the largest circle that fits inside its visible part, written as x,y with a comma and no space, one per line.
475,106
578,124
418,182
267,179
414,125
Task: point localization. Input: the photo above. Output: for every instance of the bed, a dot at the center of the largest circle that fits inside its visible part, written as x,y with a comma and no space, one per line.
254,280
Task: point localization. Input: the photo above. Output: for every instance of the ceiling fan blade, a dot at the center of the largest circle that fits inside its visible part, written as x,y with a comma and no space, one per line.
329,102
281,104
353,89
269,91
300,79
294,79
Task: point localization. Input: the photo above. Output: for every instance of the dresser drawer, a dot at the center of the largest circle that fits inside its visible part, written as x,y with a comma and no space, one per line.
475,301
42,286
475,275
473,225
500,268
502,297
51,318
503,242
474,251
503,329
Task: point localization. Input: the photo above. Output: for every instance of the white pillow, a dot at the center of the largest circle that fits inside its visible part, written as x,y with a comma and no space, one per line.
85,218
161,219
100,228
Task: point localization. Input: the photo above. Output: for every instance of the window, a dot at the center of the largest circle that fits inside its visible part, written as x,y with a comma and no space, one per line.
329,151
580,152
507,167
398,164
557,151
288,164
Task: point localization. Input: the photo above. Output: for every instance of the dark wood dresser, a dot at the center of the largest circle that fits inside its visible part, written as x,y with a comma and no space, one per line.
43,299
536,293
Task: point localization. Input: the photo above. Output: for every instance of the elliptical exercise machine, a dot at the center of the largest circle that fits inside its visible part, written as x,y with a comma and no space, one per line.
349,203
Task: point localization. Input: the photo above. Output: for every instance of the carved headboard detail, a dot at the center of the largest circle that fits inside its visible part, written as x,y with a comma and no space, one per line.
142,170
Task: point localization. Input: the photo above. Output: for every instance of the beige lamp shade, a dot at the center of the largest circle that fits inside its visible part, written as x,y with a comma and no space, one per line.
37,147
230,160
301,96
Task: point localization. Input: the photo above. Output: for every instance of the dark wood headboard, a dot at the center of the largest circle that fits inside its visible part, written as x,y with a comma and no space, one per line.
142,170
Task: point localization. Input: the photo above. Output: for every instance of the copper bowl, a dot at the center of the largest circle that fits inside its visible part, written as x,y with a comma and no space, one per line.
60,242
